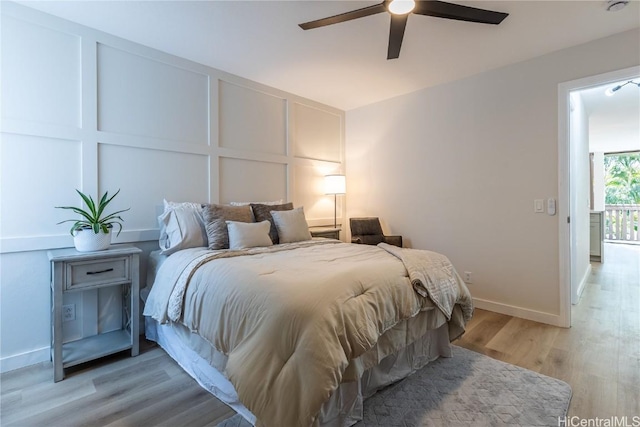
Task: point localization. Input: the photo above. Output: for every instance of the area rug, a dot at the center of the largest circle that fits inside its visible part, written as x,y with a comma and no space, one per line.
468,389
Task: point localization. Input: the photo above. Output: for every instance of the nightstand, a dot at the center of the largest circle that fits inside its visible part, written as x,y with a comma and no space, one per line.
73,271
328,232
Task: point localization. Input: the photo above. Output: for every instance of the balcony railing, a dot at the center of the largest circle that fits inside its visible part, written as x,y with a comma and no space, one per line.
621,222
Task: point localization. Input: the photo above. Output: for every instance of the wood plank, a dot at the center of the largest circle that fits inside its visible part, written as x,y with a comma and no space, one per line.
485,327
628,400
527,343
593,396
182,403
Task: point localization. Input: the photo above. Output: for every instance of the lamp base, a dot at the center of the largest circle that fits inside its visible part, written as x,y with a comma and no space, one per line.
335,211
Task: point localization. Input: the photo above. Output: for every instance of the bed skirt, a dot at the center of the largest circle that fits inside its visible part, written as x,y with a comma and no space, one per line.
344,407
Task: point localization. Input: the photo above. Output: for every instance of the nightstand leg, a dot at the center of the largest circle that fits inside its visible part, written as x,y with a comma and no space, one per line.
135,306
56,333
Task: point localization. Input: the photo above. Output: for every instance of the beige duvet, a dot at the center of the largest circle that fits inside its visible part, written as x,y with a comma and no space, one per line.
291,317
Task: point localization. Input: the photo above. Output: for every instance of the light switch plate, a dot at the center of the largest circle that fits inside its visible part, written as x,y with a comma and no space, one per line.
538,205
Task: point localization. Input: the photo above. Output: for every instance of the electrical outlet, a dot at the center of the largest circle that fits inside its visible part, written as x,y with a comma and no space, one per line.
467,277
68,312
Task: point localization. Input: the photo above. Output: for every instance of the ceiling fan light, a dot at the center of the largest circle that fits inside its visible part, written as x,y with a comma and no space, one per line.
616,5
401,7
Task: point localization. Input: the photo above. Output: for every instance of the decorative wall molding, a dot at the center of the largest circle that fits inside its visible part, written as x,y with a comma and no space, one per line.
150,124
85,110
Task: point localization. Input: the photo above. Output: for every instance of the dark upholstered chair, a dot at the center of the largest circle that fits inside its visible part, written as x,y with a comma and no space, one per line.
368,231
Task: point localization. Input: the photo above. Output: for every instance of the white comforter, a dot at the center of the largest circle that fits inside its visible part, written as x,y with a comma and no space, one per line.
291,317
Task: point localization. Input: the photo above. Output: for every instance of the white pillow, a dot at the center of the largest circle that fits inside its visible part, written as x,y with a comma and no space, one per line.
248,234
292,225
175,205
181,227
274,202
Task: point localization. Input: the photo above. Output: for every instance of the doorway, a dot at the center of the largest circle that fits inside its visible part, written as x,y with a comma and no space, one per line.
574,203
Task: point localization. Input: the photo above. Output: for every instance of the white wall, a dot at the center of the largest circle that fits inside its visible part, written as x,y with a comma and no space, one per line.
580,191
456,168
598,181
82,109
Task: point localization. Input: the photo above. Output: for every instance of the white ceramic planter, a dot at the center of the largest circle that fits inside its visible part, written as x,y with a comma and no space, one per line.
86,240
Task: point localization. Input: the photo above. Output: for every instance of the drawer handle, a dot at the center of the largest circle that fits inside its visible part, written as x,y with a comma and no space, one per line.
101,271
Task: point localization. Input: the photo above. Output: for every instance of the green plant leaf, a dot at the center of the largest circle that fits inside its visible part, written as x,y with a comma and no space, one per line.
93,217
90,204
114,216
79,211
104,202
119,228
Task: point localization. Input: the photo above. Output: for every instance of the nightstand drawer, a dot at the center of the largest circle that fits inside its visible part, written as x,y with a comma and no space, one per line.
83,274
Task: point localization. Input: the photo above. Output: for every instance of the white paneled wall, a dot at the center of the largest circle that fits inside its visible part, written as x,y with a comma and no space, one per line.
138,96
252,120
83,109
145,176
307,174
29,176
262,181
313,130
44,85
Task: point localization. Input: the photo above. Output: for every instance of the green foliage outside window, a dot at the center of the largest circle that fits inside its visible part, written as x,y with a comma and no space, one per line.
622,179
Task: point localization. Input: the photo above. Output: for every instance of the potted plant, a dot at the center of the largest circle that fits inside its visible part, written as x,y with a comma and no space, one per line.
93,231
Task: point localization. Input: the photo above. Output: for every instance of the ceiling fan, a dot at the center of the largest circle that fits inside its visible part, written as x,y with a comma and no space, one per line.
400,10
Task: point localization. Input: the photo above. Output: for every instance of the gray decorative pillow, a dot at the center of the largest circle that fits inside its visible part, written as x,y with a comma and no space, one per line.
214,221
263,212
292,225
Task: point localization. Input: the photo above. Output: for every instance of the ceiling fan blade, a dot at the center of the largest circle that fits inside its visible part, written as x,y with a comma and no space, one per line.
396,34
443,9
347,16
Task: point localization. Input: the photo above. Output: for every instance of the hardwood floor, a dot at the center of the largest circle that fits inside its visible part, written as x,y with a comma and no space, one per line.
148,390
599,356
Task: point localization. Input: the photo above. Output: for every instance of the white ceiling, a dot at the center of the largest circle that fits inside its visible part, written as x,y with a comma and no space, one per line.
345,65
614,121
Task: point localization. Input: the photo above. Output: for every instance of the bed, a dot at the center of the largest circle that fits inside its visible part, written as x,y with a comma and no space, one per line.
300,333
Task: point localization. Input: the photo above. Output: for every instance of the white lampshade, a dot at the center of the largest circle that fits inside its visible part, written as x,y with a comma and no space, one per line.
335,184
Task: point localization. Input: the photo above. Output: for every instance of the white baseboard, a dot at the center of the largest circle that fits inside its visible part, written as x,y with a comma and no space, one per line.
523,313
18,361
582,285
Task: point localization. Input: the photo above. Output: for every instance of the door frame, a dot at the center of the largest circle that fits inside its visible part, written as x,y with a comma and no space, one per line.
565,205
